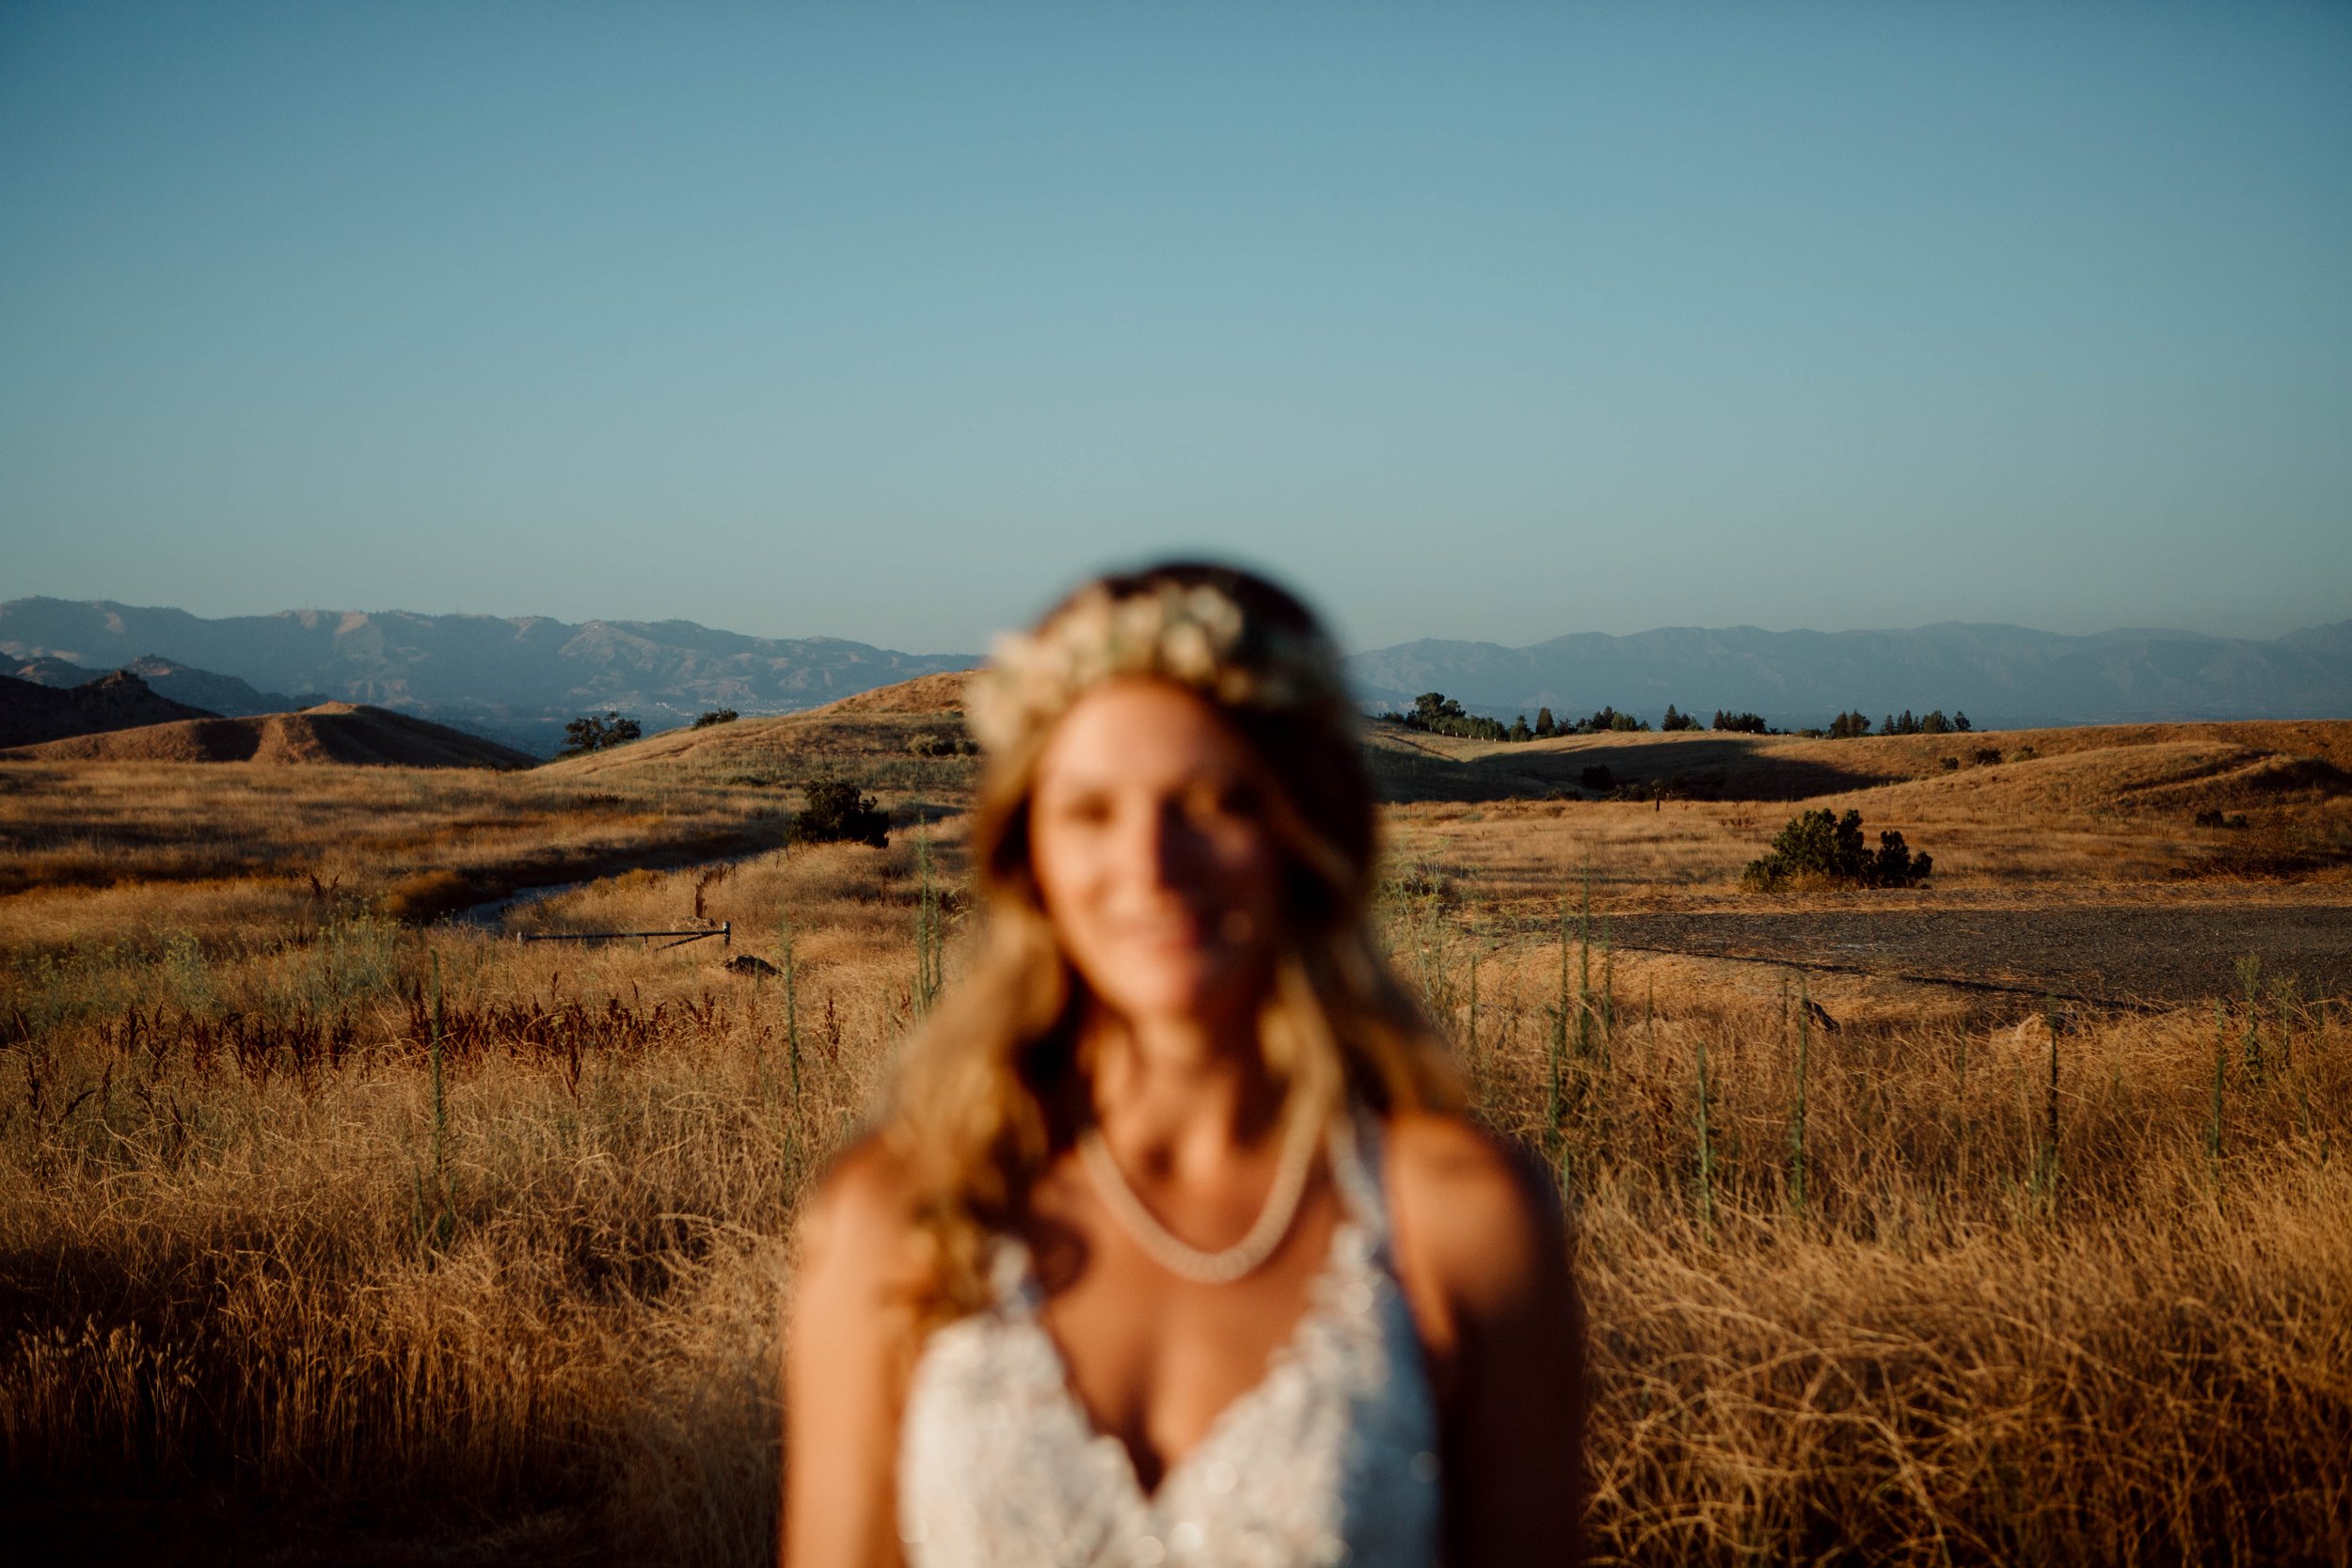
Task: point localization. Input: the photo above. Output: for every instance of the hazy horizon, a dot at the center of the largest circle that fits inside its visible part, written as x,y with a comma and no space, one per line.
981,649
1491,324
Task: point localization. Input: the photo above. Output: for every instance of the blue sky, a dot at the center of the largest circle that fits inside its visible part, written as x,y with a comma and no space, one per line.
882,321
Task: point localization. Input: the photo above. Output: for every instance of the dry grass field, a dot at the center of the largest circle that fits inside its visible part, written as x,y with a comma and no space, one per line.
328,1233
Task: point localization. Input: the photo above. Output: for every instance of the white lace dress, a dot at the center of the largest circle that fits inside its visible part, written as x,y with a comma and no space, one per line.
1332,1457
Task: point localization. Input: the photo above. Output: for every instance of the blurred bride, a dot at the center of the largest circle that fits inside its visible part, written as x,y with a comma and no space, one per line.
1173,1246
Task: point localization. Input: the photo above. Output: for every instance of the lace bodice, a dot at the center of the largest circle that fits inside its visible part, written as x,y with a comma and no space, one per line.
1332,1457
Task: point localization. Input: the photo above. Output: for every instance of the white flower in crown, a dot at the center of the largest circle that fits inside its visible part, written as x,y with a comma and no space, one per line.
1193,636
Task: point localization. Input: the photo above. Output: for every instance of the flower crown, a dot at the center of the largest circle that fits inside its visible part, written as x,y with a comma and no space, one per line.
1195,636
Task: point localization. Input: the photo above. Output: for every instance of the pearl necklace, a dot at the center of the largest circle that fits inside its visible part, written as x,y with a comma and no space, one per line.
1181,1257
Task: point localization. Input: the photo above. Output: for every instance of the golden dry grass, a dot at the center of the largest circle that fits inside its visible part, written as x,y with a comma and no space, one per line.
170,840
270,1254
869,746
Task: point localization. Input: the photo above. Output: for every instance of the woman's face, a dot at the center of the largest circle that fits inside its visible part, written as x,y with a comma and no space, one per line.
1152,854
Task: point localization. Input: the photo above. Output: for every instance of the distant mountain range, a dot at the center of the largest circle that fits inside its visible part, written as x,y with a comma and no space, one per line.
520,679
515,679
2000,677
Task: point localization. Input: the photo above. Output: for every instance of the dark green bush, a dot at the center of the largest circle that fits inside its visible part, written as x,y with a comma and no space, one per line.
1598,778
1819,848
717,715
836,815
589,733
927,743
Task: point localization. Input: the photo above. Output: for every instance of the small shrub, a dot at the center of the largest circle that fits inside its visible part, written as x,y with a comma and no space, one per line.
1598,778
1673,786
2025,753
836,814
928,743
1819,848
430,894
1951,764
717,715
1988,756
2218,819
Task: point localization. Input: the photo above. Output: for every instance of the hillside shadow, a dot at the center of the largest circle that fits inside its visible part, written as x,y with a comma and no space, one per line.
1700,768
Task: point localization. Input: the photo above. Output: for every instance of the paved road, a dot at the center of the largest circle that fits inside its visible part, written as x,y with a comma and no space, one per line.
2105,953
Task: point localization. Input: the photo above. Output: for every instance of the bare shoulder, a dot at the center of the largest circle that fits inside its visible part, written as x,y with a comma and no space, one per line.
861,1220
1476,1220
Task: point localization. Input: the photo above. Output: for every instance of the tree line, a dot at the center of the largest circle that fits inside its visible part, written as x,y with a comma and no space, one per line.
1438,714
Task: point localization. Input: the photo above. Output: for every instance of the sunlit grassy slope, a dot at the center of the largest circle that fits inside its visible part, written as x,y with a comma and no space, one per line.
325,1235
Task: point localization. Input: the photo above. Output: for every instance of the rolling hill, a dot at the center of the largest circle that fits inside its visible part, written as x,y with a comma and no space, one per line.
330,735
30,713
880,739
2119,767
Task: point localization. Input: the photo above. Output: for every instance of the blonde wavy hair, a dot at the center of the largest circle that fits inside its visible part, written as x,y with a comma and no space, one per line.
994,1088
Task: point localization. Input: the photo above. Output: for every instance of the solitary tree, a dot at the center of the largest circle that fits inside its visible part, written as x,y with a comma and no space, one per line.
589,733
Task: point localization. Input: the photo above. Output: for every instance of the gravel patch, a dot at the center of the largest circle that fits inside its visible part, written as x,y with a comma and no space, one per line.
2112,953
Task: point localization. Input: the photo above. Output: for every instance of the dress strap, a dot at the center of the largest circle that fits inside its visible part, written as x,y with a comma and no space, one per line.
1011,1276
1353,1145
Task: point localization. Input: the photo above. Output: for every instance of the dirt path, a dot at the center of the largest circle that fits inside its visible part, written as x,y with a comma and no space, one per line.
2111,954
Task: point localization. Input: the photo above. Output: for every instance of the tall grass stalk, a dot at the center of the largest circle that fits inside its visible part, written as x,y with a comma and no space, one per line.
2045,1173
1706,1182
929,938
786,961
1608,994
2221,1068
1554,1057
1797,1118
437,1231
2283,996
1584,972
2249,975
1470,1047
